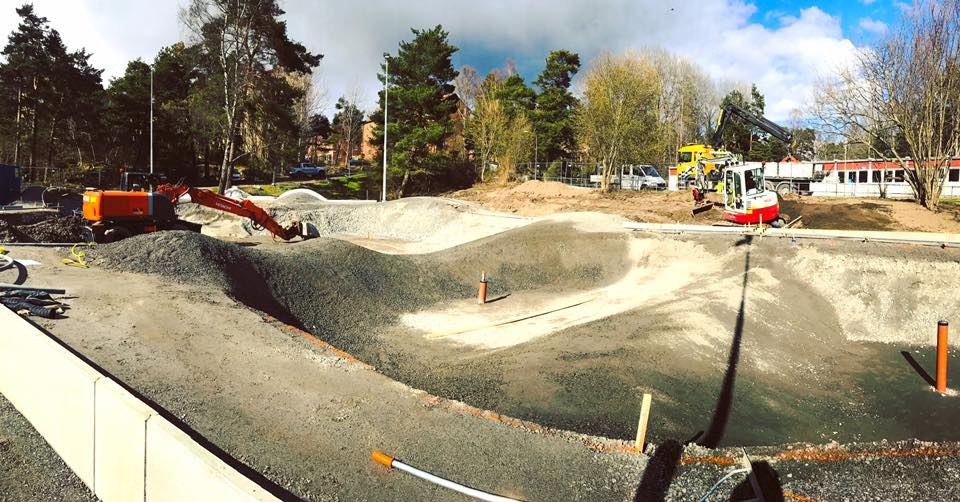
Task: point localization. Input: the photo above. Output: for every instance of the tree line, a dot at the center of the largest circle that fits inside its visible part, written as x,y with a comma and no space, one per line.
238,90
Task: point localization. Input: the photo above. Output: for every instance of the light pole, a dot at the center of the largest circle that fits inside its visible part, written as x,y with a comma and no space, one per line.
536,158
386,94
151,119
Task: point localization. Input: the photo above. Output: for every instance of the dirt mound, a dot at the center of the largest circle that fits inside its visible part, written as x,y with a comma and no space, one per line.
189,257
56,229
539,188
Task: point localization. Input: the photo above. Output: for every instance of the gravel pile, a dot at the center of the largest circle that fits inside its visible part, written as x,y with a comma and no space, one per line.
10,233
329,287
351,296
425,220
56,229
191,258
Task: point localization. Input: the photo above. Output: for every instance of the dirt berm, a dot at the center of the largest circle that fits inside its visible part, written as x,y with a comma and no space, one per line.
766,341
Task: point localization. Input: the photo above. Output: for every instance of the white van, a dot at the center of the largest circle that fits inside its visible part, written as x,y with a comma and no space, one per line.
634,177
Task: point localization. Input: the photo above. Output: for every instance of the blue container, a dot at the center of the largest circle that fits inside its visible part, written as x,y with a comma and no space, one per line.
9,184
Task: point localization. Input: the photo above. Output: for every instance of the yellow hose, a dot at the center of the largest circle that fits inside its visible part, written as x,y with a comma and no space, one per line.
78,259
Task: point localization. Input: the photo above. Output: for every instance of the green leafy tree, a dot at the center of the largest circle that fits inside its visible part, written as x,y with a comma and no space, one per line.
174,144
128,116
422,105
556,106
736,136
516,96
618,120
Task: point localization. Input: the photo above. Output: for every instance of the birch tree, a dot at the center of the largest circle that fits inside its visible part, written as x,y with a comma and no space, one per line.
905,90
243,41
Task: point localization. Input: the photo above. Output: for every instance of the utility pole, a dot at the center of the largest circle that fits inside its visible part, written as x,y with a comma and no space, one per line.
151,119
386,93
536,150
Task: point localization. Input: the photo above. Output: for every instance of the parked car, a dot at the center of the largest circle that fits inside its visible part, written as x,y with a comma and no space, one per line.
305,170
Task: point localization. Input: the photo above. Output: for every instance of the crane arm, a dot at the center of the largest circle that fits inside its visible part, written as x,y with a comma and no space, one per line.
243,208
762,123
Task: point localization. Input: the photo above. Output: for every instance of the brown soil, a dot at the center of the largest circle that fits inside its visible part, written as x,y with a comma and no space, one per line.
537,198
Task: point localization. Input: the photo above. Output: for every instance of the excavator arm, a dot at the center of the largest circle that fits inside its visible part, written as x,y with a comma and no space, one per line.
732,110
243,208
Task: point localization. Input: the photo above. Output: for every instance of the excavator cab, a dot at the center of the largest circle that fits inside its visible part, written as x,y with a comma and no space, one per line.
746,200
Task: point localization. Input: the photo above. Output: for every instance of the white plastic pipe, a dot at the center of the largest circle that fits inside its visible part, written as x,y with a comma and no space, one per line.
391,462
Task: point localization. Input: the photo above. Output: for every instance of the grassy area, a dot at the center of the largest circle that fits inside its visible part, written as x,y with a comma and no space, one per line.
357,186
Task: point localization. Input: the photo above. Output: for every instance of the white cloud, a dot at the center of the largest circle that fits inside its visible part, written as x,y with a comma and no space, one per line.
903,7
115,31
867,2
873,26
718,35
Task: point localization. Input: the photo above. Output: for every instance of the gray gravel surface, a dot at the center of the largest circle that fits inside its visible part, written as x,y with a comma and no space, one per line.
54,229
588,378
881,471
29,468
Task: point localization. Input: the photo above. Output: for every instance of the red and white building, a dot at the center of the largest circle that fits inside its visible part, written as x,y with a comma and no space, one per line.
868,178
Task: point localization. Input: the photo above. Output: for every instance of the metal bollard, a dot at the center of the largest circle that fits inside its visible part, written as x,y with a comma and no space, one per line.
942,328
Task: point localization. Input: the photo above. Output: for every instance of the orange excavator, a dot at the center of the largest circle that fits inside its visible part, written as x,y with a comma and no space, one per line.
114,214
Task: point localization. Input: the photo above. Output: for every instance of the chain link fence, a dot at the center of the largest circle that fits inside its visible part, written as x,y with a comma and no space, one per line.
574,173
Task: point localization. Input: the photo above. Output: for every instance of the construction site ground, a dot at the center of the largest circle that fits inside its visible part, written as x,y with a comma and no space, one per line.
536,198
299,359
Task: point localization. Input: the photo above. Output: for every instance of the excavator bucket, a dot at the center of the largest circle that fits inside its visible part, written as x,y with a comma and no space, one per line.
702,208
302,230
308,231
700,204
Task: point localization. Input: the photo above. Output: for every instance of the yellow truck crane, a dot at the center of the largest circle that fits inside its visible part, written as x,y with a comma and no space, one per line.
690,156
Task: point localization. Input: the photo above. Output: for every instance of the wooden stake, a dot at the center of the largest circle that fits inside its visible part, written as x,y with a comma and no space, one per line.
642,425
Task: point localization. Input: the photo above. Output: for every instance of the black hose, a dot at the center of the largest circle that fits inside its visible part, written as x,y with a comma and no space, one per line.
16,304
21,270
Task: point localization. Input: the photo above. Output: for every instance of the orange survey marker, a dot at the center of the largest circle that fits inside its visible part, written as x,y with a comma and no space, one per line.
482,295
942,328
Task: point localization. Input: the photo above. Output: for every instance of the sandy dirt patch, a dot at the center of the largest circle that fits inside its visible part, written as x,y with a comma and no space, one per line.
657,269
536,198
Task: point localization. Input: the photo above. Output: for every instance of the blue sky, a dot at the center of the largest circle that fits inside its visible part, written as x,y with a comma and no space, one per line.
783,46
858,17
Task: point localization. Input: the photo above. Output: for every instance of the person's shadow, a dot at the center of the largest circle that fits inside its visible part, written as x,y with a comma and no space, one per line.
768,480
659,473
721,413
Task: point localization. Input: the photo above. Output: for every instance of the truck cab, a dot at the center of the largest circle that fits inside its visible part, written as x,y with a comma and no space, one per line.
688,157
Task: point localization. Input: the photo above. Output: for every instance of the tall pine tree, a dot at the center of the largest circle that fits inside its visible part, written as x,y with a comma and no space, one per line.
421,109
556,106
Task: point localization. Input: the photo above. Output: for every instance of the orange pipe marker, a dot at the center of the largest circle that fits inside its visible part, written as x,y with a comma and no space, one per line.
383,458
482,294
942,328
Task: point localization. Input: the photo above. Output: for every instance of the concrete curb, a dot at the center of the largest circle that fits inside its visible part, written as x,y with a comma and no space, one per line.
118,445
923,238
